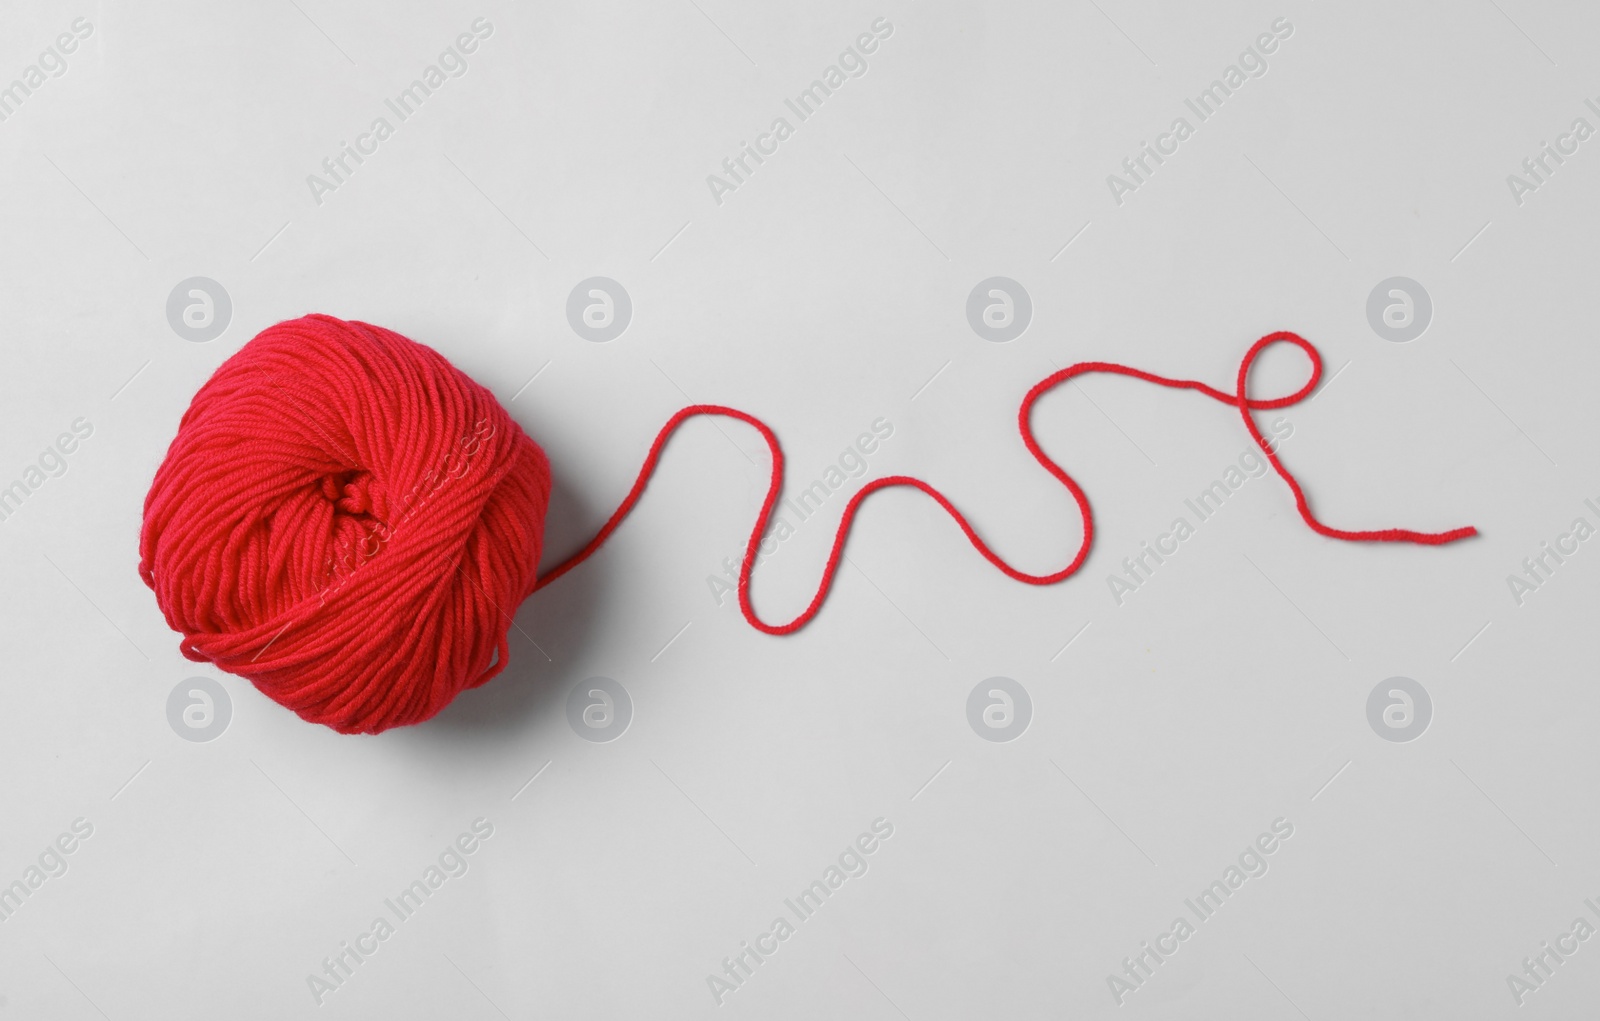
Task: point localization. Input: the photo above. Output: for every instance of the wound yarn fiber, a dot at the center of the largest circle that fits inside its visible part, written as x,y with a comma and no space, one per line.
349,521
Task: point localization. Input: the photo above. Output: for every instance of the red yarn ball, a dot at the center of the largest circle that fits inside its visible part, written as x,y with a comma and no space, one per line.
347,520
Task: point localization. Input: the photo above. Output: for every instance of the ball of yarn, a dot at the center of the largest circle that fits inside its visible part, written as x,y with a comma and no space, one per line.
348,521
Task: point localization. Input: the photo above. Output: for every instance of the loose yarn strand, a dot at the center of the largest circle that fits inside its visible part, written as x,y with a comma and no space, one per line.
1239,399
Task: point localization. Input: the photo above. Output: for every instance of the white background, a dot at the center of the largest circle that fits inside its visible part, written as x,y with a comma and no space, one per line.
828,291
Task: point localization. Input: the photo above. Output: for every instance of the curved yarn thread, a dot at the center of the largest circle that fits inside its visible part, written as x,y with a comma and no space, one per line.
1239,399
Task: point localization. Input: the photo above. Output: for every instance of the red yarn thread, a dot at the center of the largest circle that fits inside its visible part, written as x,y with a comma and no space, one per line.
1238,399
348,521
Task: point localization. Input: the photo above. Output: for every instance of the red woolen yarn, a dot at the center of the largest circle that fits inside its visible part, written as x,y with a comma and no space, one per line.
347,520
